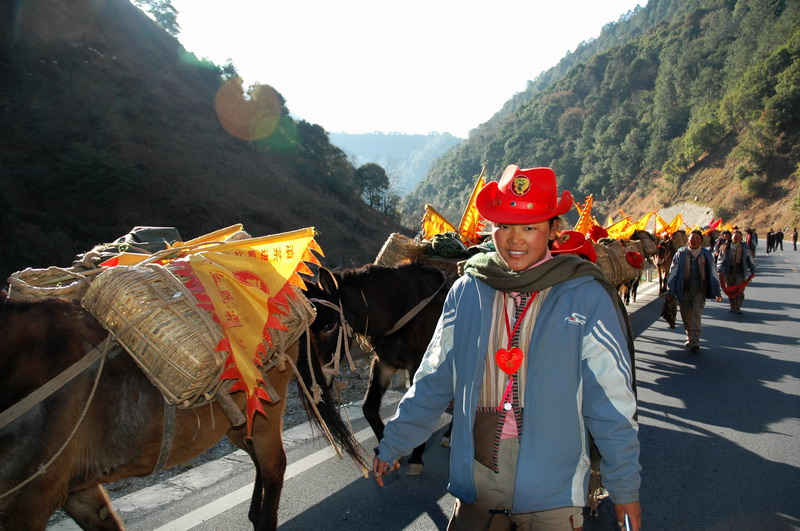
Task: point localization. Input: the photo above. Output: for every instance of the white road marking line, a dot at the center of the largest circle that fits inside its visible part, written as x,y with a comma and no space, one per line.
220,505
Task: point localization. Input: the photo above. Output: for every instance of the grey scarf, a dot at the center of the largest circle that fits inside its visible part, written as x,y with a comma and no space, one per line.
490,269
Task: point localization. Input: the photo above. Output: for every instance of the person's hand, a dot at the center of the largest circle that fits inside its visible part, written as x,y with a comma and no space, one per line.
634,512
381,468
718,298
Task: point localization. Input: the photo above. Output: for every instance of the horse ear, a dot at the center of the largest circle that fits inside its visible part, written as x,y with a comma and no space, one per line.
327,282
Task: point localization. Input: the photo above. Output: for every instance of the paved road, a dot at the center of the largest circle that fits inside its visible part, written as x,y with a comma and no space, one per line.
720,433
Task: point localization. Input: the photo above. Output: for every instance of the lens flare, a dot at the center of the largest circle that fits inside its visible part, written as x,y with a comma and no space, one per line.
247,115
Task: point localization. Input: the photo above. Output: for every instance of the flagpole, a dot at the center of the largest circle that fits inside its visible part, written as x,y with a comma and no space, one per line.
471,195
469,203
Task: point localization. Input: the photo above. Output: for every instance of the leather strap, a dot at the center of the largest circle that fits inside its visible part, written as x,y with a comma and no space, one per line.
414,311
63,378
167,437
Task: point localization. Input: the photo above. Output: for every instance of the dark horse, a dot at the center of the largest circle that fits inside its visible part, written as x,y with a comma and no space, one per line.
117,417
374,300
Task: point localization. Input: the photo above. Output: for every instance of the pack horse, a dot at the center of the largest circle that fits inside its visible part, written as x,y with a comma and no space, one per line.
395,309
108,422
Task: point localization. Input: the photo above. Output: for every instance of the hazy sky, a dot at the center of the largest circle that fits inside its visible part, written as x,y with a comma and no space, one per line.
416,66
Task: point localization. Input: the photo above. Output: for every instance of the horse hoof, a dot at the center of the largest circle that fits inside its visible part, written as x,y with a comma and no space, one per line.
414,469
446,442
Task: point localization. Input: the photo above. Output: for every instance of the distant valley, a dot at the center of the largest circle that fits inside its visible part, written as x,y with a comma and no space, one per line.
406,158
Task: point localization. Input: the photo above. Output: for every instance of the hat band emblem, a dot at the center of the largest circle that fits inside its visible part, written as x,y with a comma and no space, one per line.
520,185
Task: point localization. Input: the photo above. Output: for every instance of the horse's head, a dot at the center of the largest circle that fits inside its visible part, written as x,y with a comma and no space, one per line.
329,330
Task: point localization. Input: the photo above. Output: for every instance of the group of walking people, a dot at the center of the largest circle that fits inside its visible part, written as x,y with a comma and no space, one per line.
698,274
775,239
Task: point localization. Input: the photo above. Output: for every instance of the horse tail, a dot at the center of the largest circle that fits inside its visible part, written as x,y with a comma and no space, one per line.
328,418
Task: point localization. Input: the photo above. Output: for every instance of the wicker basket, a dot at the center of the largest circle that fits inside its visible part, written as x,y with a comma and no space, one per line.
155,318
53,282
679,239
649,244
399,249
611,261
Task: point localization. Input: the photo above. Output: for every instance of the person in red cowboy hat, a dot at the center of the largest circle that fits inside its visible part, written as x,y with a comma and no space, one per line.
534,349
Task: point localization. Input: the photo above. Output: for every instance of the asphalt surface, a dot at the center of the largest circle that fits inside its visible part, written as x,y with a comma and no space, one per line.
719,430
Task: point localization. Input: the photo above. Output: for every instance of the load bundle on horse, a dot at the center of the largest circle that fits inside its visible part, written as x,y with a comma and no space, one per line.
213,321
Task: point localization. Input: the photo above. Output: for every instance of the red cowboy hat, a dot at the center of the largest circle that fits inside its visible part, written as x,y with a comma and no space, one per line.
522,197
635,259
571,242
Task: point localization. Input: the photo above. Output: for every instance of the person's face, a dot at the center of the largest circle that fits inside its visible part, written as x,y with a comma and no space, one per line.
737,237
521,246
695,240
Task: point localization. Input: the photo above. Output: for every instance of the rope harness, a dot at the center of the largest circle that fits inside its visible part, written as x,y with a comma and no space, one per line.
99,352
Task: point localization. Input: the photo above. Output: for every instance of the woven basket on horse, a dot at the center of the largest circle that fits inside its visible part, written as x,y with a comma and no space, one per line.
53,282
155,318
649,242
400,249
679,239
611,261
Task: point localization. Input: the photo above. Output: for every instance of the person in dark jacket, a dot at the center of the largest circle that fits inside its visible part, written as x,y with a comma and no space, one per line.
535,351
693,279
734,265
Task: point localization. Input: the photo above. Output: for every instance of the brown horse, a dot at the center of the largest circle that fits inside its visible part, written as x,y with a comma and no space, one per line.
667,247
117,417
374,300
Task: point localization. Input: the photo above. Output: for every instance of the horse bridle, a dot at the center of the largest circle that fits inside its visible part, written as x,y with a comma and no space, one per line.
346,331
342,338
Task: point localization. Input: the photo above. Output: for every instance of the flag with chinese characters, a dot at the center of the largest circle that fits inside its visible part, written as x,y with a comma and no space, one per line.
585,219
434,223
471,222
246,285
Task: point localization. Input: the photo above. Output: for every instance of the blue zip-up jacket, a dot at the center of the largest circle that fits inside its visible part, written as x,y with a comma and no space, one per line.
578,382
676,280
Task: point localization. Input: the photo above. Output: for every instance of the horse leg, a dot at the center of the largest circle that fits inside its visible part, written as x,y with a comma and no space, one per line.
635,287
238,438
91,509
447,434
270,461
380,376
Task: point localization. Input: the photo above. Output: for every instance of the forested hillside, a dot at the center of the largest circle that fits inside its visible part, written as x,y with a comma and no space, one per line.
108,123
680,99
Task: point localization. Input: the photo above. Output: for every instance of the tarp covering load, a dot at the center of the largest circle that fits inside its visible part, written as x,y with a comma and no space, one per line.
71,283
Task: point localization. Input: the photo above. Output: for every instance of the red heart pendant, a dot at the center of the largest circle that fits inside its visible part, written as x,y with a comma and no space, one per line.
509,360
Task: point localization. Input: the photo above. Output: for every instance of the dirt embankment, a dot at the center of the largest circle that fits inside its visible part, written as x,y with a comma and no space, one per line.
711,190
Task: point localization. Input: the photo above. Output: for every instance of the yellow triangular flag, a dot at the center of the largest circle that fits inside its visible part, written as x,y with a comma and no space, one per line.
471,222
246,284
434,223
585,219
